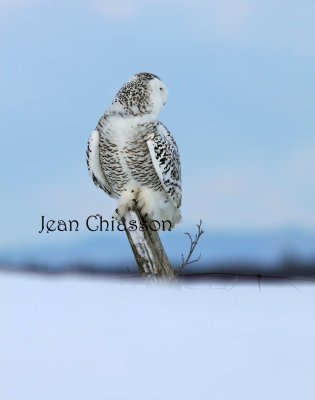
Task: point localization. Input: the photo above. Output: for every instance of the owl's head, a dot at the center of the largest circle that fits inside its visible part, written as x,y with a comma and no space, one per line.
142,94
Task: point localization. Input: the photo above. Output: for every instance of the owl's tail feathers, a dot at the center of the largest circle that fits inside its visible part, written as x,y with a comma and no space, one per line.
152,206
177,217
169,218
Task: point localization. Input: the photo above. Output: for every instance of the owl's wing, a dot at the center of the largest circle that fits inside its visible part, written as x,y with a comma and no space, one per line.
166,161
93,163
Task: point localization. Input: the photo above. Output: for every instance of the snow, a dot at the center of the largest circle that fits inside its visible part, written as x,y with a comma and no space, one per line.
86,338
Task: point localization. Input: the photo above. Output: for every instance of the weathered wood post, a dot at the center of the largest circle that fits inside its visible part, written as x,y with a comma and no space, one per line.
148,249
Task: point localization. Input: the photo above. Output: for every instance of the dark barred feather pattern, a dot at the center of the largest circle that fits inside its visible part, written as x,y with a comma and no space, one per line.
165,156
134,96
91,159
125,149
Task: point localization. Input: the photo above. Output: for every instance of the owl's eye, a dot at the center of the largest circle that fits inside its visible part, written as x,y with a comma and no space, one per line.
161,88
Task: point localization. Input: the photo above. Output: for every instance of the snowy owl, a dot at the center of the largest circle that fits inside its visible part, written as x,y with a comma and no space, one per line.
133,157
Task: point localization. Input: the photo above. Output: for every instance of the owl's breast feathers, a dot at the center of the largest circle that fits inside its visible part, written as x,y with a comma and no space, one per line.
142,152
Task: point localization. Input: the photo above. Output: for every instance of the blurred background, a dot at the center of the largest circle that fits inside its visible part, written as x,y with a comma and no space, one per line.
240,76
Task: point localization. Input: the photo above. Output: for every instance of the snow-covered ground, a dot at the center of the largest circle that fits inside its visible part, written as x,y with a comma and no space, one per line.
87,339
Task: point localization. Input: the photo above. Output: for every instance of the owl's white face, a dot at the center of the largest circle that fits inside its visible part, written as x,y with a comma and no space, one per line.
158,95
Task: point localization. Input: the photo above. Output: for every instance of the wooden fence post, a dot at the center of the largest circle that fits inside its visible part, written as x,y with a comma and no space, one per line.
147,248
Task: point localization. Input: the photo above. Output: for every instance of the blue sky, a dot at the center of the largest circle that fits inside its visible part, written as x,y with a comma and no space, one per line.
240,76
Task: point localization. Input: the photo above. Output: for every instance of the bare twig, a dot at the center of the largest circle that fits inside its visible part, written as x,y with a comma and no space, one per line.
193,244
